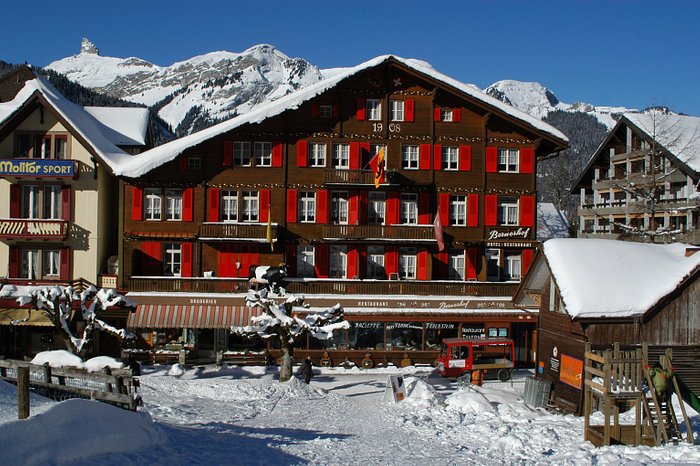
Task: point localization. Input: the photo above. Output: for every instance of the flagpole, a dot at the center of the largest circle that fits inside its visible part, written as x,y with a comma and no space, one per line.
269,226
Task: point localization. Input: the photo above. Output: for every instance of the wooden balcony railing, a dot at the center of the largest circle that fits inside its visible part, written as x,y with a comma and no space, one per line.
389,232
28,229
354,176
236,230
327,286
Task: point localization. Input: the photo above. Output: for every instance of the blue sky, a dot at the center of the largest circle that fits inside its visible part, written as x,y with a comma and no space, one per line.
630,53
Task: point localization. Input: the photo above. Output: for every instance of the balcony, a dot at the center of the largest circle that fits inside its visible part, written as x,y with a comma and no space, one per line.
33,229
327,286
236,231
337,176
389,232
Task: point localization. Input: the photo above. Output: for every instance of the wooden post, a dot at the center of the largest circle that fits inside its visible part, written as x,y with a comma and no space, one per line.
586,393
108,372
22,392
47,373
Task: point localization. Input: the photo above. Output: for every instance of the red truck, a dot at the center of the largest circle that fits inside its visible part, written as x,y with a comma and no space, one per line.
461,356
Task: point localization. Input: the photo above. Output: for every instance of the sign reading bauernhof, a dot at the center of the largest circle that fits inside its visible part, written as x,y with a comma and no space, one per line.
37,167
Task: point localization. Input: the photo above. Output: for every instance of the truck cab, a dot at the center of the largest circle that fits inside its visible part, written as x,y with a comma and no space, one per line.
460,356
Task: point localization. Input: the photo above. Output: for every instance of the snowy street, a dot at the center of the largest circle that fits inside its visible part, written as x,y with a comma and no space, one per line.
207,415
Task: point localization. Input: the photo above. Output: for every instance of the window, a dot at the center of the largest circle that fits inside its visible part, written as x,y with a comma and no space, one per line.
263,154
455,269
409,209
341,156
338,262
41,202
446,114
508,160
173,204
251,206
39,146
325,111
409,157
317,154
307,207
450,158
194,163
512,266
507,211
375,262
305,261
38,264
458,210
241,153
396,110
493,264
376,208
374,109
173,259
152,203
60,148
229,206
407,263
339,208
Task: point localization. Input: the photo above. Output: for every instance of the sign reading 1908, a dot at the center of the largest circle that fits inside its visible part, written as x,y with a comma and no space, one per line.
37,167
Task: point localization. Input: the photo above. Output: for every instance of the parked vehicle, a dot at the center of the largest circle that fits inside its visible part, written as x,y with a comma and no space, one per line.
461,356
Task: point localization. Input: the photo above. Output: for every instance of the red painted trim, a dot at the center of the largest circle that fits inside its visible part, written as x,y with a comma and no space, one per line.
354,208
391,260
527,211
409,110
471,263
354,156
13,266
424,209
291,259
444,208
302,153
392,208
472,210
436,114
321,260
322,206
276,154
353,262
136,203
186,259
264,205
491,209
437,156
527,260
442,261
187,205
183,163
66,203
465,158
314,111
527,160
456,115
292,205
14,200
213,214
491,159
424,157
64,273
422,269
361,109
228,153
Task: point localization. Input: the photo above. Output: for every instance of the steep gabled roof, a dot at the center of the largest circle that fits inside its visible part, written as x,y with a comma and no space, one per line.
128,126
158,156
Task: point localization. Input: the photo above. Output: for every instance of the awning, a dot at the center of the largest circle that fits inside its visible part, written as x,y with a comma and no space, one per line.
36,318
189,316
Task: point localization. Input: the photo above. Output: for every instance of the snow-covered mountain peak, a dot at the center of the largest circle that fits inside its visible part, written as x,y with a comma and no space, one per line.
88,47
530,97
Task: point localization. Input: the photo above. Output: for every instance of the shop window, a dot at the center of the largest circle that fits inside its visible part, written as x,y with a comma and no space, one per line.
366,336
305,261
376,208
404,336
498,332
435,332
339,341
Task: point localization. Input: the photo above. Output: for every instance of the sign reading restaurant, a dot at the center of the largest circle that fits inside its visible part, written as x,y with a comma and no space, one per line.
37,167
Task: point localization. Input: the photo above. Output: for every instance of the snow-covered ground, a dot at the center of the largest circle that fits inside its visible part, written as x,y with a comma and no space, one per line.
232,415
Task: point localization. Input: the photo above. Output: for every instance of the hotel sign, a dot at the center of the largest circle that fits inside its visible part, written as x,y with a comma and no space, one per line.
37,167
519,233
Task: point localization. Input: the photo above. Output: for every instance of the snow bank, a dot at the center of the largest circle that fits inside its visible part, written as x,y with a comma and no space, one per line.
57,358
76,430
421,394
100,362
176,370
469,402
8,402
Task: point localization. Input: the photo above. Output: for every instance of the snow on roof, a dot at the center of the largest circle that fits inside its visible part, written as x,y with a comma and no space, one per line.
551,223
679,134
127,126
608,278
157,156
85,124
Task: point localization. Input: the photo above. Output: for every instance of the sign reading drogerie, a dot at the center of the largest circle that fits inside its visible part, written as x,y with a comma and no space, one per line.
37,167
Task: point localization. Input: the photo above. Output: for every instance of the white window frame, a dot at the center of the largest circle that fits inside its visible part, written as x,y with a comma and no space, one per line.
172,263
33,264
341,156
513,266
229,206
153,204
446,114
339,207
306,263
508,160
31,201
173,205
50,263
376,208
408,263
408,209
262,151
493,256
307,207
250,212
457,265
397,110
317,154
241,153
374,109
409,157
458,210
375,262
338,262
508,211
450,158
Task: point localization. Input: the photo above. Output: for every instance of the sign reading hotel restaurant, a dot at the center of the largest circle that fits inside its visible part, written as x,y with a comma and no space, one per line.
37,167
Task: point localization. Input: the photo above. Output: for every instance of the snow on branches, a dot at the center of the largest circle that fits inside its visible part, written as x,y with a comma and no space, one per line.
56,303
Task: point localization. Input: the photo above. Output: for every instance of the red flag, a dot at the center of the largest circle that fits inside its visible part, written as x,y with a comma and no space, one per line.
438,232
378,167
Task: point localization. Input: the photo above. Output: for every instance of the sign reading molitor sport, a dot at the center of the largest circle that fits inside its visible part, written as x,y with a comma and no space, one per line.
37,167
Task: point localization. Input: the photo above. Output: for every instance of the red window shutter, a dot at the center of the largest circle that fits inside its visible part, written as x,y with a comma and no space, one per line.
424,209
302,153
187,204
465,158
228,153
224,263
151,258
64,272
314,111
352,263
442,261
354,208
354,156
276,154
65,203
392,208
527,260
336,111
136,203
391,260
424,157
456,115
14,200
471,264
422,269
364,203
213,214
13,269
291,205
472,210
437,156
291,259
264,205
322,206
444,208
361,109
527,161
491,210
491,159
527,211
436,114
321,262
409,110
183,163
186,259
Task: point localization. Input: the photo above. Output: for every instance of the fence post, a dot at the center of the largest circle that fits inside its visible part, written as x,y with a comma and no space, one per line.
47,373
22,392
108,372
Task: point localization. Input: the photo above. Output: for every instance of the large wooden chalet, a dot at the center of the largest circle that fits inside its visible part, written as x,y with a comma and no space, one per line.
290,182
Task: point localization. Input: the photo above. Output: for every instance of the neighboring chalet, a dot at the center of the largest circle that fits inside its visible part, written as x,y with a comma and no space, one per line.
643,182
603,291
290,182
59,204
